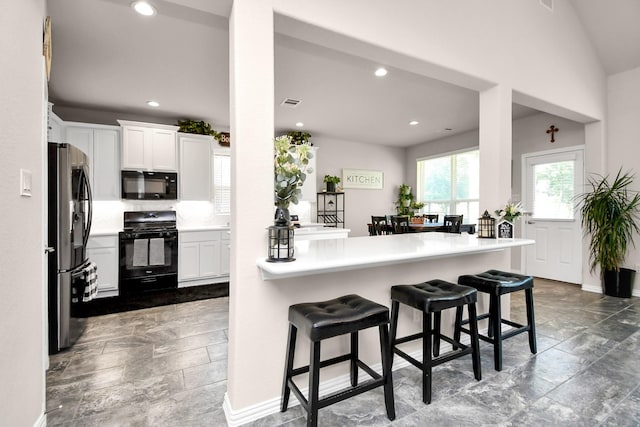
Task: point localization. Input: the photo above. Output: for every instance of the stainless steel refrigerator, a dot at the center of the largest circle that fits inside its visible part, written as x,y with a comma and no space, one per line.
69,223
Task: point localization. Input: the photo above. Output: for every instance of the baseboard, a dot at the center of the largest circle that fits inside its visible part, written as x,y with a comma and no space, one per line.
252,413
598,289
41,421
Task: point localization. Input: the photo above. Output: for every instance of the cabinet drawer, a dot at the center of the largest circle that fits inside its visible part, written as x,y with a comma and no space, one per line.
102,242
198,236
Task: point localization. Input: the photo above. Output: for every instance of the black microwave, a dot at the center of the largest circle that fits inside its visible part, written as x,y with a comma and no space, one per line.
141,185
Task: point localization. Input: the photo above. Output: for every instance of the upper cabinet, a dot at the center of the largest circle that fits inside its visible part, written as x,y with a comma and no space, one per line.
195,166
101,144
55,126
147,146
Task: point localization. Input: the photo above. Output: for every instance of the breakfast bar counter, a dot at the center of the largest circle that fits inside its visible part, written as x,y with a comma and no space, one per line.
330,256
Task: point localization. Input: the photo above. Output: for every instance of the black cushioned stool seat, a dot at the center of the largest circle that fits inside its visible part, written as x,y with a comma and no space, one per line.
326,319
497,283
431,298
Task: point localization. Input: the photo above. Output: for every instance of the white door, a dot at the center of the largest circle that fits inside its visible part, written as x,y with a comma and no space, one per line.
552,180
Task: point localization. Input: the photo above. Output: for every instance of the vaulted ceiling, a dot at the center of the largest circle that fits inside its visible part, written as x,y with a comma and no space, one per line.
108,61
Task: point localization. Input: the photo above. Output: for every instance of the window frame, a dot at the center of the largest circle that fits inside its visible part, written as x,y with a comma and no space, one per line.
217,189
452,201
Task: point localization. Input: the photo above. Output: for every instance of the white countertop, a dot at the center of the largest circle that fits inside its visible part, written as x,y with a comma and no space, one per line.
328,256
320,229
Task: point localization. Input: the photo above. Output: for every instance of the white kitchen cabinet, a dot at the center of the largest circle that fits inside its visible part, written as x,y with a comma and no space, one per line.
225,252
103,250
101,144
55,126
200,258
147,146
195,166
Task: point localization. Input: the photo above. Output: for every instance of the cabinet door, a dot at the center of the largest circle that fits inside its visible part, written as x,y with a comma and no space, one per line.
195,168
164,152
136,148
82,138
189,261
209,259
106,164
55,129
106,260
225,254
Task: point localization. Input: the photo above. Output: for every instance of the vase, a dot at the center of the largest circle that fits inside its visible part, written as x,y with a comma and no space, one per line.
282,216
331,187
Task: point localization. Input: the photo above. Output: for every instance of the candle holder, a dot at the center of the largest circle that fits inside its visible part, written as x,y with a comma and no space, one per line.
486,226
281,245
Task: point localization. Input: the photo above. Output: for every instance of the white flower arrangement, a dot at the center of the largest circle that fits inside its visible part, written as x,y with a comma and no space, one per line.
511,211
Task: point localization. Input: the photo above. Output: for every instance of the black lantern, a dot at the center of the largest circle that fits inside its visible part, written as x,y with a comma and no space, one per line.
486,226
280,243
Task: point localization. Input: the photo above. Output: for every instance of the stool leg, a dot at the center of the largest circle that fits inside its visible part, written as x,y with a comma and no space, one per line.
475,342
386,372
496,321
457,331
354,359
288,367
490,321
314,384
436,333
393,329
426,357
531,321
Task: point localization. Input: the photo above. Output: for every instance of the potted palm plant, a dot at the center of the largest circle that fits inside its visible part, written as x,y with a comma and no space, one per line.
609,215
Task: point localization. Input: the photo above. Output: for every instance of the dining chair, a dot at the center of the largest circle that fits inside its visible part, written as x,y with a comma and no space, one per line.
379,226
452,223
431,217
399,224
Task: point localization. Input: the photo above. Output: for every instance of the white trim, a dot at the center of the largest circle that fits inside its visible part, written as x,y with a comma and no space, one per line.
41,421
449,153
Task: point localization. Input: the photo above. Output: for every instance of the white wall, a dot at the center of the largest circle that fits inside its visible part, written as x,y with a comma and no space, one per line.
21,235
624,136
360,205
475,44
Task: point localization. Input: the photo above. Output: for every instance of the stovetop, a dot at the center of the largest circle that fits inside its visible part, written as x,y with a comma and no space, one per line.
149,220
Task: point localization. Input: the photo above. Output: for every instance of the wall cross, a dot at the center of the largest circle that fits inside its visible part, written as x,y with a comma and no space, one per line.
552,130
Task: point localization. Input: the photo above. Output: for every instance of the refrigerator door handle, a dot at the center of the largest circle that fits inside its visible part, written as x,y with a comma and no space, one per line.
87,185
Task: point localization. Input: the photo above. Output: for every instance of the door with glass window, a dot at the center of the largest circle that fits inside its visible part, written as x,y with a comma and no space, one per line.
552,180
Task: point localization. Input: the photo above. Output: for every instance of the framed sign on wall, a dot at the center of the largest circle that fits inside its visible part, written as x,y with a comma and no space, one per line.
363,179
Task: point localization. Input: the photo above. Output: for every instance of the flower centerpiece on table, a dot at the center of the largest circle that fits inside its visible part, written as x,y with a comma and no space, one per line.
510,212
291,164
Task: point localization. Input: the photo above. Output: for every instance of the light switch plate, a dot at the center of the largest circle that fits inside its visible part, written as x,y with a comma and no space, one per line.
26,179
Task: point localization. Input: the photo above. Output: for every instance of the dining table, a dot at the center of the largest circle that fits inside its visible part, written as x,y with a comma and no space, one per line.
430,227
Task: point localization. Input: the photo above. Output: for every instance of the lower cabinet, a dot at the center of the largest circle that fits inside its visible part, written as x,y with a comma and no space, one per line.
103,250
203,257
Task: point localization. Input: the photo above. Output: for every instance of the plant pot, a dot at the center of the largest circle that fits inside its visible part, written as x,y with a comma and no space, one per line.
406,203
282,216
331,187
618,283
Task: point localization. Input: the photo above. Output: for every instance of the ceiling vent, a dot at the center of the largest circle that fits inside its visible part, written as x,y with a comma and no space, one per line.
548,4
290,102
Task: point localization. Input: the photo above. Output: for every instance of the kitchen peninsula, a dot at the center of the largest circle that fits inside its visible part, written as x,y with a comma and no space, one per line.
329,256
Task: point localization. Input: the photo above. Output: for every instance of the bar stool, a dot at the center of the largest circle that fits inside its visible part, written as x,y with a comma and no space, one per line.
497,283
321,320
433,297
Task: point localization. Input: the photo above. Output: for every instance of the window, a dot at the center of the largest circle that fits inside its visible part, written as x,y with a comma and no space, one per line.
553,195
222,183
450,184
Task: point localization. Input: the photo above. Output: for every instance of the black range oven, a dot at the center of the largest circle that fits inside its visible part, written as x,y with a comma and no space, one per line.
148,252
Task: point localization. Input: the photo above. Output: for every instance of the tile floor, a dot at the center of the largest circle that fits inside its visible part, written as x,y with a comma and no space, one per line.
166,366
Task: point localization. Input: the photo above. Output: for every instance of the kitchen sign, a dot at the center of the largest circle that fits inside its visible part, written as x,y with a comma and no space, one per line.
363,179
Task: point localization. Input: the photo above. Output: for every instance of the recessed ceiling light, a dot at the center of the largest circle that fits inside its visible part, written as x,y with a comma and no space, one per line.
381,72
153,103
299,124
413,122
143,8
